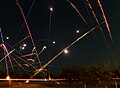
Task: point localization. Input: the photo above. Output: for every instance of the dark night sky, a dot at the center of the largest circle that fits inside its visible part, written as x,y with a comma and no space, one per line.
92,49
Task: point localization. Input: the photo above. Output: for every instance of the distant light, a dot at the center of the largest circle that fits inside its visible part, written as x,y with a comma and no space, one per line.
65,51
24,45
23,48
7,38
77,31
53,42
51,9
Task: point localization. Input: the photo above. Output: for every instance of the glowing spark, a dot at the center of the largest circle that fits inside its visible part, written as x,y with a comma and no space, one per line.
53,42
27,81
65,51
24,45
77,31
8,77
58,83
23,48
7,38
51,9
44,47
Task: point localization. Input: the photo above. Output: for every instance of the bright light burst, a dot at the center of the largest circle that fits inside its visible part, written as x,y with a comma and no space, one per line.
66,51
8,77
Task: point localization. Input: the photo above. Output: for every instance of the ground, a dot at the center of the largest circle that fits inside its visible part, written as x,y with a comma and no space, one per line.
5,84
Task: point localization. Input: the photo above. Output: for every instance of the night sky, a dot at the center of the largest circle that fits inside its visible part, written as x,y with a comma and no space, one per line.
92,49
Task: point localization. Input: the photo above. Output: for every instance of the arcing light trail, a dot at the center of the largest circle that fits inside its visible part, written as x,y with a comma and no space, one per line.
88,3
24,56
21,40
26,62
2,46
78,13
28,29
88,12
6,54
26,16
18,63
107,25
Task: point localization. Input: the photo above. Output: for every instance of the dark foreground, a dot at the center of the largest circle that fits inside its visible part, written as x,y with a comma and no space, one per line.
5,84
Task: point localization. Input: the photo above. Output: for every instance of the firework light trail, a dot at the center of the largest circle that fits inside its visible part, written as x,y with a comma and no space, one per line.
88,3
26,17
22,56
88,13
4,47
6,55
21,41
28,30
78,12
26,62
28,55
5,52
2,41
107,25
18,63
42,50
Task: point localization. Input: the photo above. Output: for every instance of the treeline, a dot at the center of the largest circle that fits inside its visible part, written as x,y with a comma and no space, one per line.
92,75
